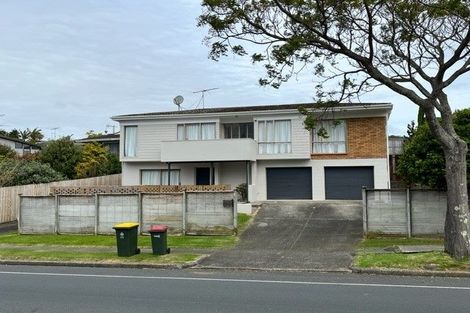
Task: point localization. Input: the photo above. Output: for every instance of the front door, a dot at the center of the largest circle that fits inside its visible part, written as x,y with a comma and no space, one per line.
203,176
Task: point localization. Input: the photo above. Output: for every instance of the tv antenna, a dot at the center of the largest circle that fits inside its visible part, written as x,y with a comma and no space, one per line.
203,92
111,126
177,101
53,131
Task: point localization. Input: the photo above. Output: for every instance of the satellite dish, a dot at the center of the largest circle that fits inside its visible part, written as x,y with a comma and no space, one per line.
178,100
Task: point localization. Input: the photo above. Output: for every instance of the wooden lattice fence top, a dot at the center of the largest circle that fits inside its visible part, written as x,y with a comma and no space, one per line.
91,190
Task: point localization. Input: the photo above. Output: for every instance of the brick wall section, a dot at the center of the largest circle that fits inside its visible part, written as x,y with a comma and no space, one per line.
366,139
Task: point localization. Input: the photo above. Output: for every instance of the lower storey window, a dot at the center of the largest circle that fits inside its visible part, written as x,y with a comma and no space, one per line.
160,177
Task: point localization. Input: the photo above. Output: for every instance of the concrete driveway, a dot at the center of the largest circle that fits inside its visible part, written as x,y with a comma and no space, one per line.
302,235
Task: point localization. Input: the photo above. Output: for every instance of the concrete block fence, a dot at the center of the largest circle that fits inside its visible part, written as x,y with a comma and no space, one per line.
198,212
404,211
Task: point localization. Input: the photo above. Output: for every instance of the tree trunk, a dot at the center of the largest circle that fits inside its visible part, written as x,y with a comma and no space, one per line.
456,235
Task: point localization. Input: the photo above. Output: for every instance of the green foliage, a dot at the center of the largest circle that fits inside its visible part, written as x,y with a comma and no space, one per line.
62,155
93,134
423,161
95,160
15,172
7,152
242,191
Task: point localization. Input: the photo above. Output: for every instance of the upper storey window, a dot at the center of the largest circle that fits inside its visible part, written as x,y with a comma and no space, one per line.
238,130
332,138
196,131
130,141
274,137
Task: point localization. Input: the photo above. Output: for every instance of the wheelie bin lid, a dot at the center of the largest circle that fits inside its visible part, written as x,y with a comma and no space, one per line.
126,225
158,228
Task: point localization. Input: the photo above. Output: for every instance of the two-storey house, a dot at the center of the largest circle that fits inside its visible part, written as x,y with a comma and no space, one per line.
266,147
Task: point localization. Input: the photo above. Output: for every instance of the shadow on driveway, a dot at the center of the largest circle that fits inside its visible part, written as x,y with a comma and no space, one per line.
298,235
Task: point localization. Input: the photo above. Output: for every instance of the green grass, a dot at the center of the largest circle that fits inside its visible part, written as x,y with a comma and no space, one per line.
18,254
188,242
110,240
242,221
428,260
382,242
413,261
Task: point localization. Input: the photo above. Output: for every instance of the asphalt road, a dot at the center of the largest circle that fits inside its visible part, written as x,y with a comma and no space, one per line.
62,289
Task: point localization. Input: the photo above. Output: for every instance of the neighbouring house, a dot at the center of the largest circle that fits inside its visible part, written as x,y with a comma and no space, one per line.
109,141
20,146
395,149
266,147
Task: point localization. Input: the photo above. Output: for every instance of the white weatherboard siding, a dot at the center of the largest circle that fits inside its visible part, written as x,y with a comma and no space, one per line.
231,173
7,143
131,171
151,133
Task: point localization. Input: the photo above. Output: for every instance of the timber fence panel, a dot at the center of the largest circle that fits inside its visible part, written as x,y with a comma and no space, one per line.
209,212
76,214
10,202
163,209
115,209
386,211
37,215
428,212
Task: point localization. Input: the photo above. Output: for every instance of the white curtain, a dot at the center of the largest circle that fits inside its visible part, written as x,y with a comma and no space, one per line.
174,177
274,137
151,177
130,141
180,132
192,131
207,131
336,137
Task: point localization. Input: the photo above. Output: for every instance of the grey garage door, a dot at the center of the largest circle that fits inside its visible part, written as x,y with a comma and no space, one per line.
345,183
289,183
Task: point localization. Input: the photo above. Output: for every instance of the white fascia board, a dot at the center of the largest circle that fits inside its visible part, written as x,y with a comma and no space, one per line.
119,118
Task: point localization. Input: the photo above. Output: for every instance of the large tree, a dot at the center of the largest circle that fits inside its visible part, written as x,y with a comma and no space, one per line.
62,155
417,49
423,161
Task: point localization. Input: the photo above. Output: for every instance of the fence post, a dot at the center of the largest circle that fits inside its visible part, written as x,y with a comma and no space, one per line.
20,222
97,212
365,221
235,215
408,213
184,203
56,207
140,212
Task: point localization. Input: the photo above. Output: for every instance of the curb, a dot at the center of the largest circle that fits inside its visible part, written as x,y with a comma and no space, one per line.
104,265
264,269
402,272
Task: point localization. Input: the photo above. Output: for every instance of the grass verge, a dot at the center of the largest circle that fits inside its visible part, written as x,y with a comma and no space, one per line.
69,256
382,242
110,240
414,261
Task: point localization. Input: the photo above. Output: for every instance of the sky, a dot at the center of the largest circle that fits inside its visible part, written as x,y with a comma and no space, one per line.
74,64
